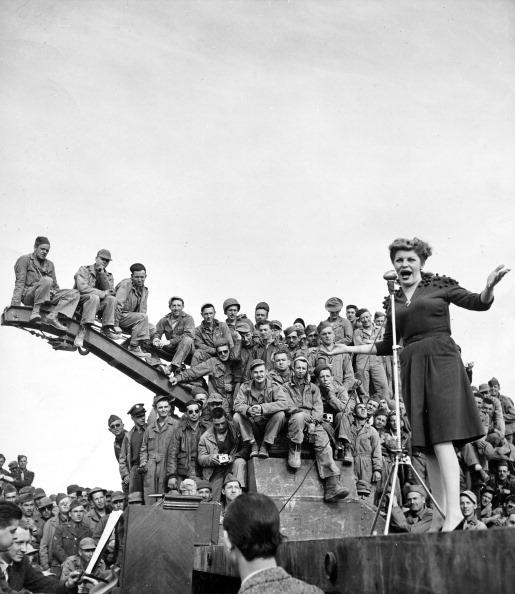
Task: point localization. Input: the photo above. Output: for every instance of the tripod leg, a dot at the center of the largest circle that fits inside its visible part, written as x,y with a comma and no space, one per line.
435,503
392,495
382,498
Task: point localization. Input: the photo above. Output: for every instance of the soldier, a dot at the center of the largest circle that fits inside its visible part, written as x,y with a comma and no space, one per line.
207,333
22,476
223,439
350,314
418,518
342,327
219,369
97,498
79,563
306,415
281,373
243,349
131,308
311,336
294,343
261,312
179,330
36,284
267,345
181,458
68,536
45,548
117,428
96,288
259,410
156,439
129,461
341,365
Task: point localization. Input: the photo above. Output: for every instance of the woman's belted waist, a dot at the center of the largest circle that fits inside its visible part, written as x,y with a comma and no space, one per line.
424,335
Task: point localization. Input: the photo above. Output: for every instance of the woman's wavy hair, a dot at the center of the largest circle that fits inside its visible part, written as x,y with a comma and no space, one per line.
420,247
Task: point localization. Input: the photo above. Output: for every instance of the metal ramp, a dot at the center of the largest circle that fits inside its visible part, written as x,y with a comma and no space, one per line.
96,343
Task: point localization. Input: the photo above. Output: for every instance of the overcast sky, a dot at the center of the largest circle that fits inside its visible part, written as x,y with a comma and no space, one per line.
258,150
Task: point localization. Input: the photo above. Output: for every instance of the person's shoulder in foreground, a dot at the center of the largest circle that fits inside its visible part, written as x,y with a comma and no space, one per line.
251,537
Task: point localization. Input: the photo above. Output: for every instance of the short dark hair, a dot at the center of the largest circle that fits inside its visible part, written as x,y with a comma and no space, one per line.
252,523
172,299
487,400
351,306
263,323
361,311
192,403
8,513
218,412
137,267
421,248
221,341
281,352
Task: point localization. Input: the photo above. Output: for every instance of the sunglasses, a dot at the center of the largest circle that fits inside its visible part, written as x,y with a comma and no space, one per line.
223,351
47,507
115,426
193,412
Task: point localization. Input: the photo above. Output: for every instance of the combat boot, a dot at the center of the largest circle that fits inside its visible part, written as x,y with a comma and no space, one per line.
347,457
294,455
79,339
53,321
333,489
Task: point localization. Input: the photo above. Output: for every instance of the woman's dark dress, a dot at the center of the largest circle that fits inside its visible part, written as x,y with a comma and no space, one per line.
436,389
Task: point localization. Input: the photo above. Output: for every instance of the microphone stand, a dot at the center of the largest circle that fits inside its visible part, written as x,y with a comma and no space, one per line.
400,456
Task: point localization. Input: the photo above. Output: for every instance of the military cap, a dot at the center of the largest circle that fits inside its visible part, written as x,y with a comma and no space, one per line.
290,330
276,324
39,493
230,478
333,304
311,328
105,254
378,314
25,497
87,544
300,358
381,412
137,410
136,497
13,464
198,390
45,502
299,321
27,489
320,367
242,326
189,482
322,326
416,489
205,306
263,305
361,311
117,496
113,418
488,489
76,503
470,496
215,398
73,489
255,363
60,497
230,302
159,397
96,490
484,388
8,488
41,240
203,484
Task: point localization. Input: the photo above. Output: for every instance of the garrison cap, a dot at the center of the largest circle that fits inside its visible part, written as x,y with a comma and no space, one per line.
113,418
263,305
290,330
230,302
39,493
215,397
26,497
311,328
159,397
45,502
87,544
41,240
256,363
60,496
230,478
27,489
8,488
243,327
137,410
76,503
276,324
73,489
470,496
333,304
106,254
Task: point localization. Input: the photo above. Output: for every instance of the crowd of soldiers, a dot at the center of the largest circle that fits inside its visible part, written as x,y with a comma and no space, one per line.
257,389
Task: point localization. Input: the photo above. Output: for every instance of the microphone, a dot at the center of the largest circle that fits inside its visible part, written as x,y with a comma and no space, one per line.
390,277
